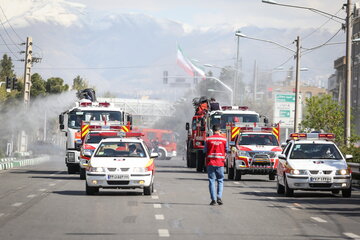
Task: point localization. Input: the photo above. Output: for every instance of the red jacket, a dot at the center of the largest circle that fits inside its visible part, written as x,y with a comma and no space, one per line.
215,150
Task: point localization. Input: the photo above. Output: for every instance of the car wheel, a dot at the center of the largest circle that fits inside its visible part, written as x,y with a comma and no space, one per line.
280,188
91,190
346,192
237,175
82,173
288,191
272,176
148,190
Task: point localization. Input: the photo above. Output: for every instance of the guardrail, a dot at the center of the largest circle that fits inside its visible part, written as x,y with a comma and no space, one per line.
7,163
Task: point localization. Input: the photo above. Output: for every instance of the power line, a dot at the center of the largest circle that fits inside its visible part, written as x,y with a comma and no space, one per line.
8,22
307,50
7,46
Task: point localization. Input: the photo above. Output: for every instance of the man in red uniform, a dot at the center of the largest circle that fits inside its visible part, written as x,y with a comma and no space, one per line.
215,150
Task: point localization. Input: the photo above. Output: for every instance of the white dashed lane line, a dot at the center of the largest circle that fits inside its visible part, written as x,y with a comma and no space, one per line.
155,197
236,182
159,217
352,235
163,233
18,204
257,191
318,219
52,184
42,190
271,198
31,196
156,205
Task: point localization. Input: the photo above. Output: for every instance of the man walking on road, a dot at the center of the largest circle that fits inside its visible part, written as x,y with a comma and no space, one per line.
215,151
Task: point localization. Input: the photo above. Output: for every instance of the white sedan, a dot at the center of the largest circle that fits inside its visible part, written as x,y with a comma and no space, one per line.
121,163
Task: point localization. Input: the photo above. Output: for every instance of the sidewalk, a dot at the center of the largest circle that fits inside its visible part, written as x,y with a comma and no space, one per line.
7,163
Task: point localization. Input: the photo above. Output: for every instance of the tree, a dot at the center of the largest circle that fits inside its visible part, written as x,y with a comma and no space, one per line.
38,85
7,68
79,83
56,85
323,113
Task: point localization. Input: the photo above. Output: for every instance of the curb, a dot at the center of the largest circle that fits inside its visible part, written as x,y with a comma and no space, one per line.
8,163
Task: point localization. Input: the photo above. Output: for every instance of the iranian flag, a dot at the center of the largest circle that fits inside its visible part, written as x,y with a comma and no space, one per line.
190,67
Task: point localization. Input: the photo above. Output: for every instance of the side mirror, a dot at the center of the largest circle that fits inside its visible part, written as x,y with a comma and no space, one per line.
283,145
282,156
87,153
348,156
61,119
154,155
187,126
62,126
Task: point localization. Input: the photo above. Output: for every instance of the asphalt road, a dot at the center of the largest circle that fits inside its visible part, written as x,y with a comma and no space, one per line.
44,202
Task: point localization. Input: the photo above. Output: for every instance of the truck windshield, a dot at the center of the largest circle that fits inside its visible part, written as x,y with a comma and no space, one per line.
258,139
97,137
76,117
226,118
315,151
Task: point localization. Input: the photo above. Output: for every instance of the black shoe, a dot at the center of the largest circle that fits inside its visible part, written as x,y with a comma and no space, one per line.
219,201
212,202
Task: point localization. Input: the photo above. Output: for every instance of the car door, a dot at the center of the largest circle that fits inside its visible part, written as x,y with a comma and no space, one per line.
282,163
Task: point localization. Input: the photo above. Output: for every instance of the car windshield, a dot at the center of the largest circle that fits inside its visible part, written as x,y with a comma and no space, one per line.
76,117
233,118
120,149
315,151
97,137
258,139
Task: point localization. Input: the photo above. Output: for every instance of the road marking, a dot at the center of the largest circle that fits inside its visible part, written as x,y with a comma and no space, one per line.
52,184
155,190
164,233
352,235
271,198
155,197
319,219
236,182
257,191
18,204
159,217
31,196
2,214
156,205
42,190
294,208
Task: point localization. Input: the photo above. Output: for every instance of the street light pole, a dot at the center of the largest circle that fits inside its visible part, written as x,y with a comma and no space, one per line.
347,131
297,88
236,75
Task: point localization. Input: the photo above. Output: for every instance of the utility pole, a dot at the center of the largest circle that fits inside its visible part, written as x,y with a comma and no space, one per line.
348,74
236,75
297,90
255,82
27,85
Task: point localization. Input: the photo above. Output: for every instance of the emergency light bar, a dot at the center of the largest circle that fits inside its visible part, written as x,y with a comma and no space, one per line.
91,104
256,129
326,136
243,108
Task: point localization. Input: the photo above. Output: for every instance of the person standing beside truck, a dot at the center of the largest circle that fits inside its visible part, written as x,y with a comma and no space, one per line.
215,151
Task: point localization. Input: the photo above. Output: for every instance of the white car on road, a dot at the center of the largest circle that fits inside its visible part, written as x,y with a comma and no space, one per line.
122,163
311,161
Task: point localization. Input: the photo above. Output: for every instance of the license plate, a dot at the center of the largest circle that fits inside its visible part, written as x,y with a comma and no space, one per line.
320,179
118,177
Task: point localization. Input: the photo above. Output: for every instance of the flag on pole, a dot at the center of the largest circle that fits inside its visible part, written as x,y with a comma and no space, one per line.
189,66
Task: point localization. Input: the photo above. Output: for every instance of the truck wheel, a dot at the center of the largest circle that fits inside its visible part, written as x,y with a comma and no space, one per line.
237,175
272,176
280,188
288,191
230,172
91,190
192,161
82,173
346,193
200,162
162,155
336,191
72,169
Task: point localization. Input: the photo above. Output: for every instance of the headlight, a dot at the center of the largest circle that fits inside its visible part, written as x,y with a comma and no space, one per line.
96,169
138,169
71,156
298,172
342,172
242,153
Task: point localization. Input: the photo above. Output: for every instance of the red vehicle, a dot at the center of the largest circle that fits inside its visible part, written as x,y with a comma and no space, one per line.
201,125
254,150
161,141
